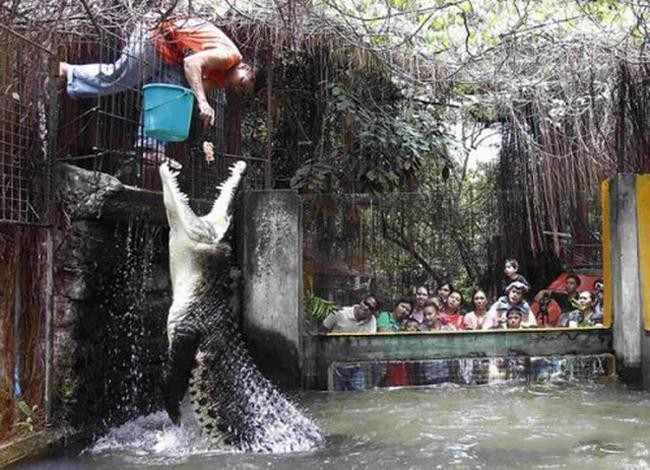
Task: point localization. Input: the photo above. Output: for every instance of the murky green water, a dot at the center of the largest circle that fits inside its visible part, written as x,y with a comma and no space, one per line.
579,426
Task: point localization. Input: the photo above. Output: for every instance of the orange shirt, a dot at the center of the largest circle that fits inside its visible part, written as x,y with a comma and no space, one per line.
176,39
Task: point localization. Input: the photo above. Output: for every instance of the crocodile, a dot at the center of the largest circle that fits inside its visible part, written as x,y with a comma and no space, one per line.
234,404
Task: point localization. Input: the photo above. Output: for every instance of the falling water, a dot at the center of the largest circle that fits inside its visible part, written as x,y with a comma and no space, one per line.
125,308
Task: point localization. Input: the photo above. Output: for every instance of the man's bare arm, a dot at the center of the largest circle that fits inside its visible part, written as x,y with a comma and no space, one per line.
218,58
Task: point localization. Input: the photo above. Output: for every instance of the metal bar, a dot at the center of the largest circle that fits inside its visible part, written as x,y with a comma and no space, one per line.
18,330
48,292
269,120
243,157
53,128
22,223
115,116
49,331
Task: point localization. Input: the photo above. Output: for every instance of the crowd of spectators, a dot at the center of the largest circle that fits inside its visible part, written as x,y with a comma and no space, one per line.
444,309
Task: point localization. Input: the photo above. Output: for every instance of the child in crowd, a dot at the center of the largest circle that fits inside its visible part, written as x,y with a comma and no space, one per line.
431,319
510,275
497,315
513,318
411,325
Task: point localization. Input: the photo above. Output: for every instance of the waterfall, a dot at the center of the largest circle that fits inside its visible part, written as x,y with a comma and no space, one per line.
124,308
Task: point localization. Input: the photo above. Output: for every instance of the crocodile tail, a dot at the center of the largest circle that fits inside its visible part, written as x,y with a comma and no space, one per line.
206,411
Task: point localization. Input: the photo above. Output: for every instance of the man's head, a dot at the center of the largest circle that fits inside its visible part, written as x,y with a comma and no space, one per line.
402,309
513,318
421,296
366,308
571,284
516,291
245,79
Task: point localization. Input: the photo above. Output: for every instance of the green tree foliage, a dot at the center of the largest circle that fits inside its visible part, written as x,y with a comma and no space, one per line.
354,131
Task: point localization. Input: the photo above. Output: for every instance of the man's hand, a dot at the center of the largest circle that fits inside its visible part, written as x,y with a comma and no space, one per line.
206,113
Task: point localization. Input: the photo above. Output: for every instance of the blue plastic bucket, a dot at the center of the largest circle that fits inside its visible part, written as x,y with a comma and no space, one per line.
167,111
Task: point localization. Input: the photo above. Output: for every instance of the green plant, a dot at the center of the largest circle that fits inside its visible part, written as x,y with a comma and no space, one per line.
28,417
317,307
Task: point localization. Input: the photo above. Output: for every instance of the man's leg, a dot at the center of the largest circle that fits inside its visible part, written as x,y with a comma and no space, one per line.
134,66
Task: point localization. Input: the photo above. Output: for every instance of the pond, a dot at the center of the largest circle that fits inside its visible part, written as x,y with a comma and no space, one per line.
581,425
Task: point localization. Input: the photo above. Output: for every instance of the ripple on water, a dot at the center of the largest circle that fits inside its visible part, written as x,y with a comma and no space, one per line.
569,426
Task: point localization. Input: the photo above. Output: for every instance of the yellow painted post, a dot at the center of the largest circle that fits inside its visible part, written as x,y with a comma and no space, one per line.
605,188
643,219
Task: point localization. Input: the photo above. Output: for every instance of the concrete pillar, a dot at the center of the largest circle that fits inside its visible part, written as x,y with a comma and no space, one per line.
270,250
626,292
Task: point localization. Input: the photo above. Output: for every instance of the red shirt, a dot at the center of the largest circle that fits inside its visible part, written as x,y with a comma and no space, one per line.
176,39
456,319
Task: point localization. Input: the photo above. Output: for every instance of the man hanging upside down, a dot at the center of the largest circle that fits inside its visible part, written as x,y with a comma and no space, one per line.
179,51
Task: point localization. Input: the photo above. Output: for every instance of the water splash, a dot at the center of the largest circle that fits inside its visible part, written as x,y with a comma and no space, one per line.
152,439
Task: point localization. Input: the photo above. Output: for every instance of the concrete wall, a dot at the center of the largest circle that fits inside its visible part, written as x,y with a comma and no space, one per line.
271,261
322,351
112,294
626,299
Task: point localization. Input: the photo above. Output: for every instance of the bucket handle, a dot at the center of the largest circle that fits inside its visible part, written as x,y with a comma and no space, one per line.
164,103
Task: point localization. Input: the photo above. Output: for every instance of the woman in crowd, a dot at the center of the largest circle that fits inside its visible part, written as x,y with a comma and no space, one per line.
585,315
474,319
599,300
392,321
444,290
417,313
451,313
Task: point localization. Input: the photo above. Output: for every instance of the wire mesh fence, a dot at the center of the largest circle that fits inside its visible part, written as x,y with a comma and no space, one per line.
26,101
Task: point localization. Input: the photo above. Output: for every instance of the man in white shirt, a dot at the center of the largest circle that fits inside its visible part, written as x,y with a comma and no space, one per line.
358,318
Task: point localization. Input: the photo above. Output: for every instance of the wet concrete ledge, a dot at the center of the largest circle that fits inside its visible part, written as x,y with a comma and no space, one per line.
94,195
42,444
321,351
